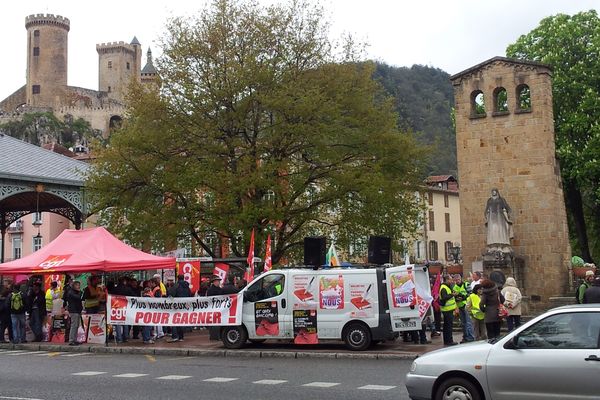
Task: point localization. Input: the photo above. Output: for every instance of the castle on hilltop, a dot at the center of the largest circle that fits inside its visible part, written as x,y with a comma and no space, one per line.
46,88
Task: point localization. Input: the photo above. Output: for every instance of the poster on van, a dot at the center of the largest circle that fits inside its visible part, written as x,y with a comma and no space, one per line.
361,297
331,293
304,286
305,327
403,289
266,318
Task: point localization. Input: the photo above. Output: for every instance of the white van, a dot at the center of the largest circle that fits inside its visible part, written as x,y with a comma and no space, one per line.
360,306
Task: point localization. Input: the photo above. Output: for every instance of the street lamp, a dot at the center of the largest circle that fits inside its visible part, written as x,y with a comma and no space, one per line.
455,252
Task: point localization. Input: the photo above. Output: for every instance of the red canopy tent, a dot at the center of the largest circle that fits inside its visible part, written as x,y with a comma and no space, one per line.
93,249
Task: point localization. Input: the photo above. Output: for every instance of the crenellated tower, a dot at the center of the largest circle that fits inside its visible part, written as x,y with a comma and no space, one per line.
47,59
118,64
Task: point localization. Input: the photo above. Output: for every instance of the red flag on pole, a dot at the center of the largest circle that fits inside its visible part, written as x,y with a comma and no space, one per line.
435,291
268,264
250,270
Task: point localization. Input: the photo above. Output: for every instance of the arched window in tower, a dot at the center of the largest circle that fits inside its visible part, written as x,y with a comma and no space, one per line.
500,101
523,98
36,33
115,122
477,104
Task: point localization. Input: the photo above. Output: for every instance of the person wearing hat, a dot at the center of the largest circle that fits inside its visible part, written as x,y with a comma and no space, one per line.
587,282
215,286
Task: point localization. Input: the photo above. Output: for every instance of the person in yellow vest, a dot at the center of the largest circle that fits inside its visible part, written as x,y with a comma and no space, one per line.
163,288
476,314
447,305
461,294
94,297
53,293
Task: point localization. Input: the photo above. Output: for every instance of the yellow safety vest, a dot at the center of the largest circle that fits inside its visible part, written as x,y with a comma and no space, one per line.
451,303
49,299
475,310
462,290
94,299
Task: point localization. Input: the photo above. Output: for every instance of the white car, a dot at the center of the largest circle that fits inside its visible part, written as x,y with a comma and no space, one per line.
554,356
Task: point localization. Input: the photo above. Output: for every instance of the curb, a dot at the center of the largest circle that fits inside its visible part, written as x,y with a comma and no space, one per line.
208,353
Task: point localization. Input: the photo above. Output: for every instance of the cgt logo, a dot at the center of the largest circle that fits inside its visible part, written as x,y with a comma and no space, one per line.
54,261
118,308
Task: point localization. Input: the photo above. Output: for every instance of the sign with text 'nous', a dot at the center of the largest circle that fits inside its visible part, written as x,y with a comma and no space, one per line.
178,311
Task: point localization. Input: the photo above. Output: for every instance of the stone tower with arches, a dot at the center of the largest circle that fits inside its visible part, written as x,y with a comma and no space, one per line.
505,140
46,89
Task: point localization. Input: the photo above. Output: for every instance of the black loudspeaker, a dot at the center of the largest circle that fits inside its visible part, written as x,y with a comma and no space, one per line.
379,250
314,251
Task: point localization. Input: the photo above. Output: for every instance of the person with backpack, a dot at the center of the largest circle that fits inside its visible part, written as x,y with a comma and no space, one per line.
17,314
587,282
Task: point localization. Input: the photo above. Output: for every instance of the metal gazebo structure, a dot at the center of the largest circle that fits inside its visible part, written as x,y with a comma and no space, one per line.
33,179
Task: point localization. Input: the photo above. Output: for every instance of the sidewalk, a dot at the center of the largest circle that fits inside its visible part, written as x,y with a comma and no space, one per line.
197,344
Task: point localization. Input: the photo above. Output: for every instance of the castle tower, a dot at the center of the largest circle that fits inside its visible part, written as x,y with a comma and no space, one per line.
149,74
118,64
47,58
505,140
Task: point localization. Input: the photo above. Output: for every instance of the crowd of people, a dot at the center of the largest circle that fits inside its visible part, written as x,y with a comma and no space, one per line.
28,299
477,304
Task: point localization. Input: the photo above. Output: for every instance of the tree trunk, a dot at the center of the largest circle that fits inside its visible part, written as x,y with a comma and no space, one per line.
574,204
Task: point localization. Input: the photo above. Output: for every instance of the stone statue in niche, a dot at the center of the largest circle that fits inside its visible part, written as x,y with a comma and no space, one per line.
498,223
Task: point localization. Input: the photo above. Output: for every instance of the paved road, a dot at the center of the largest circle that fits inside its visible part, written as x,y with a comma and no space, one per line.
53,376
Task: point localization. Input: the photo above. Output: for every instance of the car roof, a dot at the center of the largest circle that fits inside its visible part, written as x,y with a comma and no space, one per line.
578,307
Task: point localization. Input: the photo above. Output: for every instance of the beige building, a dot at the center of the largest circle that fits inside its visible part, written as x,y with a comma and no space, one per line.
46,88
440,230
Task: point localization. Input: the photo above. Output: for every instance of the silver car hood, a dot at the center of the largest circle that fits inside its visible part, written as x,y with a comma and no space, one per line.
461,357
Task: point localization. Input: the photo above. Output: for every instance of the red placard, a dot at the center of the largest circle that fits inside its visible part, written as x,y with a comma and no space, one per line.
191,273
221,270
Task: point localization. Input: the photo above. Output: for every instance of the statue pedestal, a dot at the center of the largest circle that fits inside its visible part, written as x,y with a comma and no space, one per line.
499,265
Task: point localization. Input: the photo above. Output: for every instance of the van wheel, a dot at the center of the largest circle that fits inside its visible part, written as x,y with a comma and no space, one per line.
357,337
457,388
234,337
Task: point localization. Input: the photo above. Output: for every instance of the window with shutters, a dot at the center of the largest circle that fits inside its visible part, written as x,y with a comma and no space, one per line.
447,218
431,221
446,201
433,250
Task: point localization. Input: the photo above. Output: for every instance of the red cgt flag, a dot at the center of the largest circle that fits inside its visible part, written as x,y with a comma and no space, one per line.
268,262
250,271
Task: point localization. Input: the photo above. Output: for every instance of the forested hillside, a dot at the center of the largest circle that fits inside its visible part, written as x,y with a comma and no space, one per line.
424,100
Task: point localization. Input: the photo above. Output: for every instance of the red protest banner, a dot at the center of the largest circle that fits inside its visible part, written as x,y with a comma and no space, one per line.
191,273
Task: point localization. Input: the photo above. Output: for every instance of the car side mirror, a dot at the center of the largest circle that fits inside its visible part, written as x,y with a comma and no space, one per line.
513,343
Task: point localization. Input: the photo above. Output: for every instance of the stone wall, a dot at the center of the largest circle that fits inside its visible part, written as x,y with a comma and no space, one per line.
513,151
10,104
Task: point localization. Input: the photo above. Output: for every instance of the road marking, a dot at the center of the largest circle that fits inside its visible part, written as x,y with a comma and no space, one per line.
89,373
219,379
18,398
321,384
174,377
376,387
269,382
55,353
75,355
129,375
13,351
29,352
151,358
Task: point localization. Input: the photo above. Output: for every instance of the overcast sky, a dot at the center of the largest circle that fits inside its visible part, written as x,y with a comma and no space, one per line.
451,35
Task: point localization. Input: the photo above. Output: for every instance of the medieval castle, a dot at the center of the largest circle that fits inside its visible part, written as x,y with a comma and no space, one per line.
46,89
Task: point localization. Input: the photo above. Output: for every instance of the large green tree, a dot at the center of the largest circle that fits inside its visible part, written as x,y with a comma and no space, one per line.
571,45
260,123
